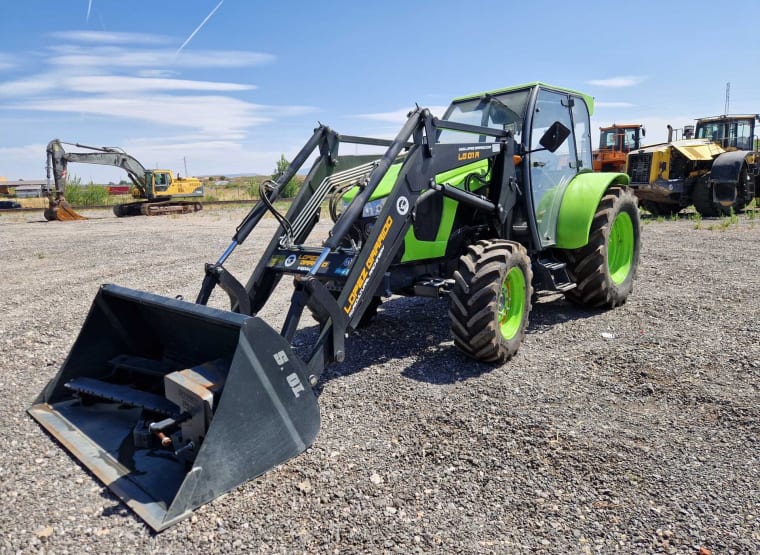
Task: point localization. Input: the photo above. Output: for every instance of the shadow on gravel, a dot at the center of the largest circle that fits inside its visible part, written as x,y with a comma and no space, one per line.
417,328
551,309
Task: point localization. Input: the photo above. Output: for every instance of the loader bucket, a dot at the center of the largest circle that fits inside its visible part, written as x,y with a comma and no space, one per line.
171,404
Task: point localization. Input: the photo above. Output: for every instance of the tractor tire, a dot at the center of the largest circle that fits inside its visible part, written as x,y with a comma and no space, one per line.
491,300
603,270
702,198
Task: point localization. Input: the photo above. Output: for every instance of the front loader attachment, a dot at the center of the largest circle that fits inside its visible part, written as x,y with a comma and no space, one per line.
171,404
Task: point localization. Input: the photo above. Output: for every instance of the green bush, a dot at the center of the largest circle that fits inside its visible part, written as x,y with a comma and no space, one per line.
291,188
85,195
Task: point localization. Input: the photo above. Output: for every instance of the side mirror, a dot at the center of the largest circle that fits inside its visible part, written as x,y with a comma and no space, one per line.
643,131
553,138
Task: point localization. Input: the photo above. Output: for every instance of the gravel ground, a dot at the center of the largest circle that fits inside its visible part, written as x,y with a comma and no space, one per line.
630,430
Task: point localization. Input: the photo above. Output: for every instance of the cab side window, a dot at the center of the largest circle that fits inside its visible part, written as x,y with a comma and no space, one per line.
550,172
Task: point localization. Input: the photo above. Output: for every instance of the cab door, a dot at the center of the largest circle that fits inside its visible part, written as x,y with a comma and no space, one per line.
550,172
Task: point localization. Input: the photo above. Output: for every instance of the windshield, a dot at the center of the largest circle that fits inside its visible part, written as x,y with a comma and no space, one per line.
737,133
504,111
622,139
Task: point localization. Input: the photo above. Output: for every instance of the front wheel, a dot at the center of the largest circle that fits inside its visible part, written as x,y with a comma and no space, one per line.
603,269
490,301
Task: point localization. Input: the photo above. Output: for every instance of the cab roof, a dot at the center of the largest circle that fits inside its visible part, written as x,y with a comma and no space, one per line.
729,117
587,98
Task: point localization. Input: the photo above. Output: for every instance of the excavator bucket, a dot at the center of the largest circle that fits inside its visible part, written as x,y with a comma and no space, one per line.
62,212
171,404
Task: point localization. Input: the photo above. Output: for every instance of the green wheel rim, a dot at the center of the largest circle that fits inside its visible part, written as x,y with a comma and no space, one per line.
512,303
620,248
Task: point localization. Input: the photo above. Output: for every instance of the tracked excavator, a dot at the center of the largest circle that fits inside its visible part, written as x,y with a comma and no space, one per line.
172,403
157,189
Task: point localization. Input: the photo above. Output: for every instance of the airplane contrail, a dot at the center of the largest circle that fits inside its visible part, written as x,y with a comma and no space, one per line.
197,29
89,9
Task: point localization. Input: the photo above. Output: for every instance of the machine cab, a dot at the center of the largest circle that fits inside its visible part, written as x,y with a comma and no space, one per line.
158,181
529,112
620,138
730,132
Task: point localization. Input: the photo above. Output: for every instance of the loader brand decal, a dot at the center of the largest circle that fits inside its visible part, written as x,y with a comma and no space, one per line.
307,261
471,152
290,260
369,267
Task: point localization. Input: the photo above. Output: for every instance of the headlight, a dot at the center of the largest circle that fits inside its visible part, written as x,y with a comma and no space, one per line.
373,208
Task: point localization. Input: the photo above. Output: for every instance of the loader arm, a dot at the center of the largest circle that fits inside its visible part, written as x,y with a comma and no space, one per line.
366,266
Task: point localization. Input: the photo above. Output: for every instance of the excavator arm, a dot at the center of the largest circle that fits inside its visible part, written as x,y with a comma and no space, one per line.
58,159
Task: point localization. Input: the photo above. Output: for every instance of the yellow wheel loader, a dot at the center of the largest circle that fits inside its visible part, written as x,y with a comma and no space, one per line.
717,170
171,403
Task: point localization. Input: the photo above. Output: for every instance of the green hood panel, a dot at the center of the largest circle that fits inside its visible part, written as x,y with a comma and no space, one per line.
579,206
453,177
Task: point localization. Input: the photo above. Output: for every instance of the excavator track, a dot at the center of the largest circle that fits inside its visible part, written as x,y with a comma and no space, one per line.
156,208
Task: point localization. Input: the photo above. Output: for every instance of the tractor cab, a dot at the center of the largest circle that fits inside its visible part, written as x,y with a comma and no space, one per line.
621,138
615,142
730,132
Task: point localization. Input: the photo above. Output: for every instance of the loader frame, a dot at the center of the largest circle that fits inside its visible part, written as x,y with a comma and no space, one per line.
422,160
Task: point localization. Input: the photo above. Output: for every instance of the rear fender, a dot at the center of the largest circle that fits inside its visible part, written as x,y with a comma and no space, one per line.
728,166
579,205
725,174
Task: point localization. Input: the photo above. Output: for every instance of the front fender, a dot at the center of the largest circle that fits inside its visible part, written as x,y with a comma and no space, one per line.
579,205
728,166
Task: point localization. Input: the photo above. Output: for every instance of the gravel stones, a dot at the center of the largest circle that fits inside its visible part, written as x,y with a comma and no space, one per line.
634,429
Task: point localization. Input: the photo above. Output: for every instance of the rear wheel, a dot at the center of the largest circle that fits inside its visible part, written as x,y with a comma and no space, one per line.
702,198
603,270
490,301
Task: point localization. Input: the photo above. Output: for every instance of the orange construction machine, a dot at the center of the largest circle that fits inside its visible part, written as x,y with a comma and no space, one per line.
615,142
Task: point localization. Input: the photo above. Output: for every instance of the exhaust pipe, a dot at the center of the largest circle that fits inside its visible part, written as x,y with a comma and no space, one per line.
171,404
670,133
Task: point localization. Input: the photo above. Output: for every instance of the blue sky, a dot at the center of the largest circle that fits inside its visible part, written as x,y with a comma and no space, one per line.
226,88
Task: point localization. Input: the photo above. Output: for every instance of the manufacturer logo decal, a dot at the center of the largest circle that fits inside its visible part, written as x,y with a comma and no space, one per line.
290,260
402,206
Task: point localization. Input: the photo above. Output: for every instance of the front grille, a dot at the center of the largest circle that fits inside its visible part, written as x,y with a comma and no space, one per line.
639,166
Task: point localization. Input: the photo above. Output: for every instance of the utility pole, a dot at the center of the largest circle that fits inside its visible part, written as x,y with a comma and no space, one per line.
184,159
728,98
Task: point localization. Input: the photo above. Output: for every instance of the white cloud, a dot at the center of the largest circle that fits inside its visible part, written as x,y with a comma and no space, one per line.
613,105
218,116
618,82
399,116
108,83
103,37
109,57
155,73
6,62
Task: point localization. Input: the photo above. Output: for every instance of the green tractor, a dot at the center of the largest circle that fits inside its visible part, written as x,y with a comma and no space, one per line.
172,403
